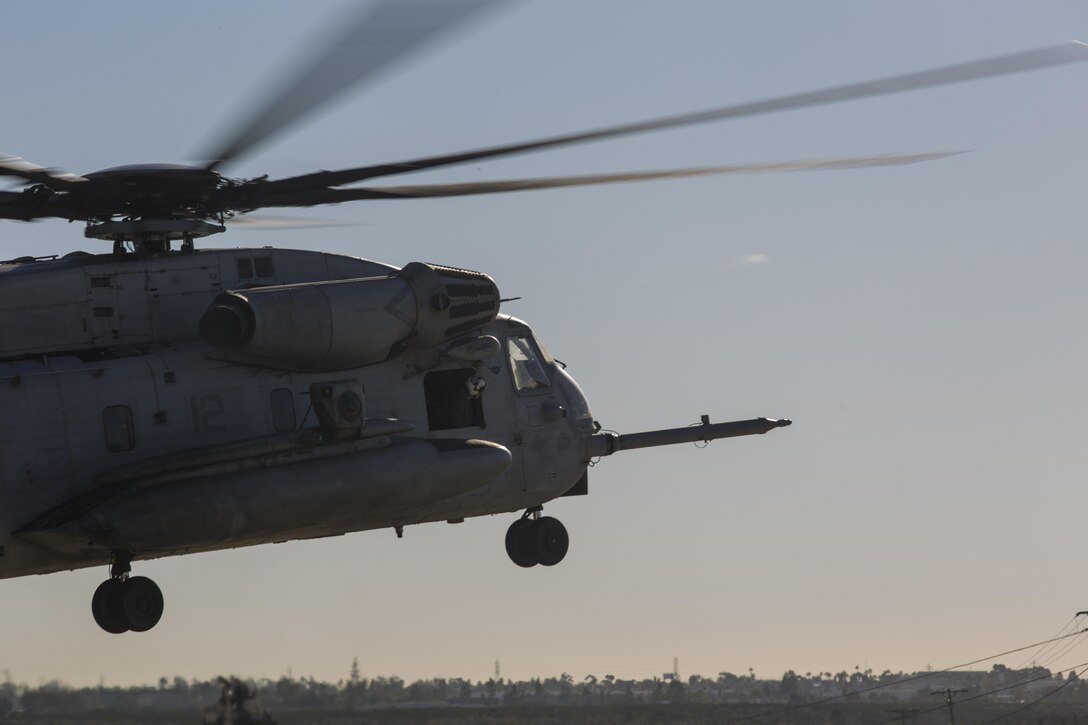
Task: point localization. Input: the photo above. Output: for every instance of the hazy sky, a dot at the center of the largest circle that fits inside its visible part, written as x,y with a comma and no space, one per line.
922,325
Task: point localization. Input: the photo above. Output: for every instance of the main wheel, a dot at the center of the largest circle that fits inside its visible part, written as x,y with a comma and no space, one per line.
141,603
550,540
519,543
106,606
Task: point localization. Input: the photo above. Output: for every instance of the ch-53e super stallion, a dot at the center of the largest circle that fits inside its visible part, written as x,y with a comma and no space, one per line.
159,401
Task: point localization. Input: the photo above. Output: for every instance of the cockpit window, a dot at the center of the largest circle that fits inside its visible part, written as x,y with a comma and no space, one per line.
525,366
543,351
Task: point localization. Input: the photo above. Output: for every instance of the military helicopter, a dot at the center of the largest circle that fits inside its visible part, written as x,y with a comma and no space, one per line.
161,401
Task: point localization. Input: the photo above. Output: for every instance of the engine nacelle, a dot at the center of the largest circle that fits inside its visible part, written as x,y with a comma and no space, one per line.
326,326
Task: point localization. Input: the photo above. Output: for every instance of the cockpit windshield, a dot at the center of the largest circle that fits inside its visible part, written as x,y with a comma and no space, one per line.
525,365
548,358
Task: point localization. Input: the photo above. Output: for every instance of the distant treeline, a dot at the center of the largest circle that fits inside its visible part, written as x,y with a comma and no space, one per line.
1016,697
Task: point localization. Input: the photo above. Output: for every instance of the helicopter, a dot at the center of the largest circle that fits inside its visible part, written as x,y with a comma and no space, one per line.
161,401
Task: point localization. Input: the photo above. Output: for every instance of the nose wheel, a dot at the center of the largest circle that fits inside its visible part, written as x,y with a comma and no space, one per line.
126,604
534,539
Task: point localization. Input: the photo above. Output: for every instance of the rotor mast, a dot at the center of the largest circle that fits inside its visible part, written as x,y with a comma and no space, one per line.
152,236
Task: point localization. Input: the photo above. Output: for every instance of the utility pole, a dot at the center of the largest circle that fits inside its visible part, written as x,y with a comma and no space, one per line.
949,697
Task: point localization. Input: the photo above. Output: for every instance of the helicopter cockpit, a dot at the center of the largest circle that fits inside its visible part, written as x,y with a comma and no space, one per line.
547,392
525,367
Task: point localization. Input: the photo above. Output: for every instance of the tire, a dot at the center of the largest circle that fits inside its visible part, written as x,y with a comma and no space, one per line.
550,540
141,603
106,606
519,543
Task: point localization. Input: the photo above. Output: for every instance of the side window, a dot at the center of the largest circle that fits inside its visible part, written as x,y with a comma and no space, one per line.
454,399
525,366
118,427
262,267
283,409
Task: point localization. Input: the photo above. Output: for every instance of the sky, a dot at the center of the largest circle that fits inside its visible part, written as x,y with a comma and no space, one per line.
922,325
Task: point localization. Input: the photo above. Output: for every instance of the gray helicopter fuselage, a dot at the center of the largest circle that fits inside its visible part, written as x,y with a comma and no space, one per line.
122,429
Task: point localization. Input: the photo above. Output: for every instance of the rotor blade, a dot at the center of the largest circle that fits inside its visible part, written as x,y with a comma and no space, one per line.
333,196
23,169
372,41
13,205
1070,52
262,222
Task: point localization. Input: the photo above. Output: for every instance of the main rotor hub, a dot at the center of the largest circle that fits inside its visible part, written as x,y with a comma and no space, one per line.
152,230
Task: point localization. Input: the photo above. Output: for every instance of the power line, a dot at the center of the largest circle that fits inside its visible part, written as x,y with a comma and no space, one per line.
1012,651
1045,650
1039,699
905,680
1021,683
1062,651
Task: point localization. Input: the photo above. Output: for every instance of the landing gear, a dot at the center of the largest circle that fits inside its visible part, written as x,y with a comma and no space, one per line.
519,543
105,606
534,539
550,540
123,603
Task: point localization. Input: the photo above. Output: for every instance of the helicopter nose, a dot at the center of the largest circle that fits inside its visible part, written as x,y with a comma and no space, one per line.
577,406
